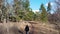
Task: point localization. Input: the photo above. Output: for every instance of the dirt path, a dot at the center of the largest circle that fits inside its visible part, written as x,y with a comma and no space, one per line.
35,28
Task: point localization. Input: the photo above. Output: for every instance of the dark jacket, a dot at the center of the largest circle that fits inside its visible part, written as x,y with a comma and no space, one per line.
27,28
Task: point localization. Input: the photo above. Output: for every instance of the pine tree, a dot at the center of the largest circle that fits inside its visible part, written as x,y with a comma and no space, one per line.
26,5
21,8
43,15
49,7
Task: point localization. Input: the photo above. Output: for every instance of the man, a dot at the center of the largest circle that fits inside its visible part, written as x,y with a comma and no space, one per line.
27,29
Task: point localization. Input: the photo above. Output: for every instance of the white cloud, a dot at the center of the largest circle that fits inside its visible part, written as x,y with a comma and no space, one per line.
46,4
52,3
35,10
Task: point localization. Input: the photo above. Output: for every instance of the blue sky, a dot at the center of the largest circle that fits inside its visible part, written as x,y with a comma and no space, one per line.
35,4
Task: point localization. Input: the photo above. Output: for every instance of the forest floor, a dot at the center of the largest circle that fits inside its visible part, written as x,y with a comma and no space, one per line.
34,28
